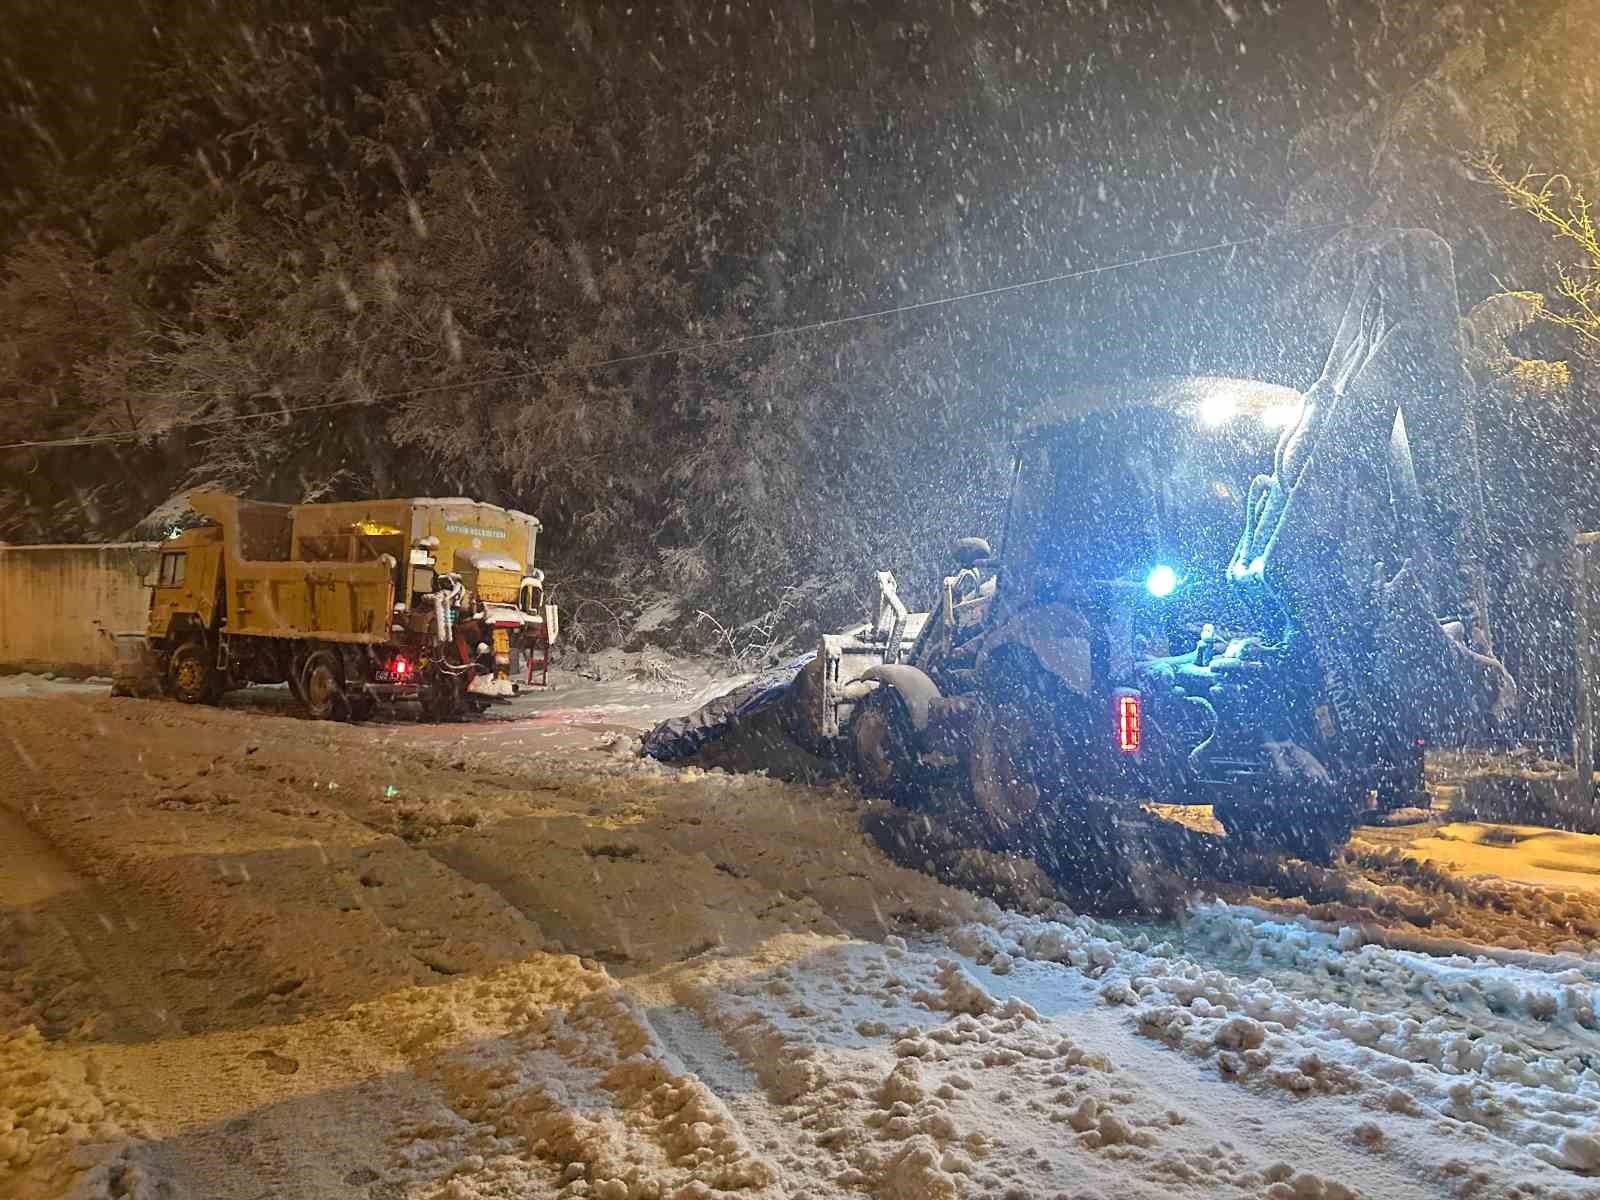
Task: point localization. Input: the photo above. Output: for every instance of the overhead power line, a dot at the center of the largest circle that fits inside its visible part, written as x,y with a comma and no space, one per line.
690,348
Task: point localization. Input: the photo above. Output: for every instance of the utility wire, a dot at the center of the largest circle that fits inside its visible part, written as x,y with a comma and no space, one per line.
672,351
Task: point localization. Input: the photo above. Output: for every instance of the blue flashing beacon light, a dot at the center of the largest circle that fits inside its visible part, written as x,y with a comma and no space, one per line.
1161,581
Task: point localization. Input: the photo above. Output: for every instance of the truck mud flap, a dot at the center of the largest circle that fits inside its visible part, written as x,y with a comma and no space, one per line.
749,728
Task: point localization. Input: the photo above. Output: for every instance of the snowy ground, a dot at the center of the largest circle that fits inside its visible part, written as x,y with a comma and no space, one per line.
245,955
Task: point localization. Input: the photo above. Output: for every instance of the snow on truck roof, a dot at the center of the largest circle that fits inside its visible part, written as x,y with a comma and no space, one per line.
489,560
172,510
423,502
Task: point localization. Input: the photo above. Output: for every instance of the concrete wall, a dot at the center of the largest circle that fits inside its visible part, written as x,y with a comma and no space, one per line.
52,596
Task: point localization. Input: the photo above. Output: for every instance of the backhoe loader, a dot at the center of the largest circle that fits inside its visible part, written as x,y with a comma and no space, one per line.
1208,591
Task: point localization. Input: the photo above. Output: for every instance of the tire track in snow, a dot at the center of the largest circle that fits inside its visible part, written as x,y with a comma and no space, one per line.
474,1082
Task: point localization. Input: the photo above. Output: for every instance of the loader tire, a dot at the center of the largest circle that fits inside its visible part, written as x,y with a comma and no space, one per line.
800,710
1021,766
322,685
1031,790
883,744
191,678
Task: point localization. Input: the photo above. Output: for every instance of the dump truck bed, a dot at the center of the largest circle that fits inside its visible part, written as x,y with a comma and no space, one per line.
329,571
269,594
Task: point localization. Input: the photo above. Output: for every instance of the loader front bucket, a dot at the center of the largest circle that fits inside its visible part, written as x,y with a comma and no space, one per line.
757,726
135,672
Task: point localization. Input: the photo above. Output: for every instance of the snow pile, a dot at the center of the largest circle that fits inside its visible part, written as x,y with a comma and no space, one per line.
958,992
652,673
1457,1011
26,684
989,1097
895,1132
1519,853
61,1134
657,1131
1394,880
1507,1047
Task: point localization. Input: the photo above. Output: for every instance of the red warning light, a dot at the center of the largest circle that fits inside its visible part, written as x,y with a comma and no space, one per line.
399,667
1128,722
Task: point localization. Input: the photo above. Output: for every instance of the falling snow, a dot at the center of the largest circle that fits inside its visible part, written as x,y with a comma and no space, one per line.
748,303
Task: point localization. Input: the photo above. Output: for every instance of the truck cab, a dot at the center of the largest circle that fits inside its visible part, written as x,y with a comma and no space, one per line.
186,582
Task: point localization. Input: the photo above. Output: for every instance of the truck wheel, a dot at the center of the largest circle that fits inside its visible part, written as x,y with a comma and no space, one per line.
296,677
881,739
322,684
190,676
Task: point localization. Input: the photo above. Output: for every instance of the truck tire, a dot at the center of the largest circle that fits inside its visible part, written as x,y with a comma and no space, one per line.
191,677
296,677
322,685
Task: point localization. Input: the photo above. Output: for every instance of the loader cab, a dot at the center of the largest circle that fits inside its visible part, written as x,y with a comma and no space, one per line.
1133,505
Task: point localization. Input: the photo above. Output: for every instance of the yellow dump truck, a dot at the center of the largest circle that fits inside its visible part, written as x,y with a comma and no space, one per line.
348,603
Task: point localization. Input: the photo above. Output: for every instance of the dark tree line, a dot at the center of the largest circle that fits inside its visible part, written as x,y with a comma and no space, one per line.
226,213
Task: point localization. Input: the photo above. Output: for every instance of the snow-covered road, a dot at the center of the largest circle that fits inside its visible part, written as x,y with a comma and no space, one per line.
246,955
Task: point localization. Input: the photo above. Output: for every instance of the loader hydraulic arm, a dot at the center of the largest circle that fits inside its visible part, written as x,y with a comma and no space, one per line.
1368,534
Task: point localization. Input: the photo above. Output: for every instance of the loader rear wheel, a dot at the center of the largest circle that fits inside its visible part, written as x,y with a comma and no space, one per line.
190,676
1033,791
1026,738
1008,773
322,685
882,740
1028,796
